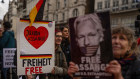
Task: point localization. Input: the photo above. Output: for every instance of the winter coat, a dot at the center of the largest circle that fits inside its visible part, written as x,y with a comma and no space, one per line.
65,45
60,66
131,70
7,41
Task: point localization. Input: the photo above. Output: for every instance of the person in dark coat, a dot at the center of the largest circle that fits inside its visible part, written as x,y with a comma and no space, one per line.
7,40
65,45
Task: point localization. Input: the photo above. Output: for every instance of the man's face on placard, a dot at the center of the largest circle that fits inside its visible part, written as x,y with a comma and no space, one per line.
88,38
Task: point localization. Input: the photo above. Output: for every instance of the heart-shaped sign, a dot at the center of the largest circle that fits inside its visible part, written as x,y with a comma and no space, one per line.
36,37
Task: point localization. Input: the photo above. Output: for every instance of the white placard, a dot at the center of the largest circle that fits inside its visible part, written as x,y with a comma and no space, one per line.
8,57
35,47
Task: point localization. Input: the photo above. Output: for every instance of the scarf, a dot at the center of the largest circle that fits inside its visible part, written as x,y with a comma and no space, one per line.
127,60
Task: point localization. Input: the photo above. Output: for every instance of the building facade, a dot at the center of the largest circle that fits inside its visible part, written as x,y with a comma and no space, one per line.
61,10
11,15
24,7
122,12
55,10
12,11
21,8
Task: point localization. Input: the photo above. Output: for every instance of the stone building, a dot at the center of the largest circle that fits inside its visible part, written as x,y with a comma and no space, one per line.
122,12
56,10
61,10
21,8
24,7
12,11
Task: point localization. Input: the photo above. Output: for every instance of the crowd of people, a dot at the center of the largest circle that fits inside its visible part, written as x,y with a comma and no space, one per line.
126,63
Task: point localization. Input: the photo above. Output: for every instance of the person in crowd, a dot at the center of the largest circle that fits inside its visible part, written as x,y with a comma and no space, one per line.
127,63
7,40
89,34
60,69
125,50
65,45
1,31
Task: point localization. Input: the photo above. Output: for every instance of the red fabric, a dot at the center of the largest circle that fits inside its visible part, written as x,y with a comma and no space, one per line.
138,40
38,5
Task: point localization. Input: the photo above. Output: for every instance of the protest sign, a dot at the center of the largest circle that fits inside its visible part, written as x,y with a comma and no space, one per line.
91,47
8,57
35,47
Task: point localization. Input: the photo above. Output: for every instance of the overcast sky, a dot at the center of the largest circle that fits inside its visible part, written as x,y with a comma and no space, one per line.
3,8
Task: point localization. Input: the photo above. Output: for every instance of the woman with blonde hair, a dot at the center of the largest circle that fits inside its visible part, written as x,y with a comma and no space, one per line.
125,50
126,64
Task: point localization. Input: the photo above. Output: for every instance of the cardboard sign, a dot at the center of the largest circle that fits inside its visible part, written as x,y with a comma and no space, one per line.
35,47
8,57
91,47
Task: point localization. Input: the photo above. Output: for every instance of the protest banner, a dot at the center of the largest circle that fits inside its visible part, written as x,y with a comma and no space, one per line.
91,47
35,47
8,57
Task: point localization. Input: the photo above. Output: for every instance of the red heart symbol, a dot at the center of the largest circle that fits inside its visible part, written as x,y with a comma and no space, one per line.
36,37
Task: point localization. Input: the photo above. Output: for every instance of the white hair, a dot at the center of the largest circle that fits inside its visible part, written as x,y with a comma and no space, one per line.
94,20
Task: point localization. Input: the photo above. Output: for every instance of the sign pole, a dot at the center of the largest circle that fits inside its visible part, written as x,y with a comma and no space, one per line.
10,73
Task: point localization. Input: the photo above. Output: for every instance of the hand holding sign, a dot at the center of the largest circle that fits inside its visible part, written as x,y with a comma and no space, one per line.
36,37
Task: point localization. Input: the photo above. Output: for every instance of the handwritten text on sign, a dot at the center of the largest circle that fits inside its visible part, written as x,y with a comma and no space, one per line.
8,57
36,37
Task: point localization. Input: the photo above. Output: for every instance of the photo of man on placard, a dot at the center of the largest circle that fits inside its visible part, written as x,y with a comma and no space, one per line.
91,44
89,34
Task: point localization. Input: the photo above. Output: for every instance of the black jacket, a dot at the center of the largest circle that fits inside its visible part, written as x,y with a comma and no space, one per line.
131,70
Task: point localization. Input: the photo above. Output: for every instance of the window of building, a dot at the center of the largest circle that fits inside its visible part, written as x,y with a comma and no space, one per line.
115,3
114,21
56,17
133,6
135,1
107,4
46,18
124,8
65,3
123,20
53,17
115,9
99,5
124,2
133,18
63,16
48,6
75,1
57,4
75,12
